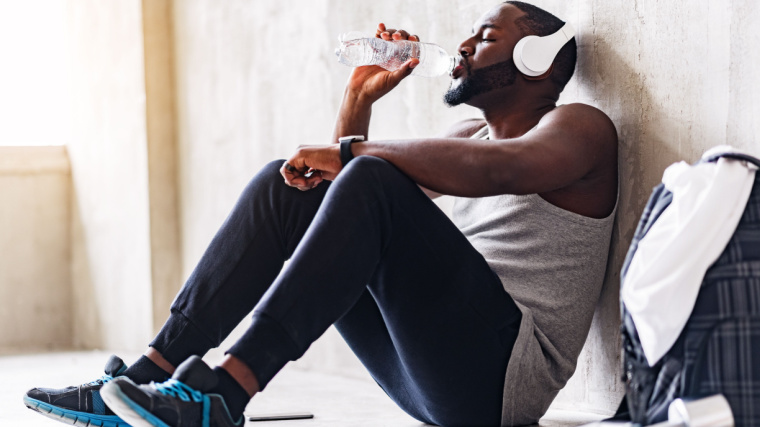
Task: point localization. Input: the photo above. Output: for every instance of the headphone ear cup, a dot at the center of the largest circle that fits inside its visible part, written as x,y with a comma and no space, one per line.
517,56
534,55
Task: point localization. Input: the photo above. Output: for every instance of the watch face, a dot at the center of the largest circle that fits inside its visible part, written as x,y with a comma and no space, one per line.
352,138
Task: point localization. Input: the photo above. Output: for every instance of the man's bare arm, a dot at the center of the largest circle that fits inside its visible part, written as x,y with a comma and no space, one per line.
353,116
463,129
368,84
567,144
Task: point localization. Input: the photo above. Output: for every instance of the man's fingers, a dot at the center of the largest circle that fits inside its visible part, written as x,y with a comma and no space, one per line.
380,30
301,180
400,35
286,172
392,34
312,174
383,32
405,70
315,180
305,184
291,174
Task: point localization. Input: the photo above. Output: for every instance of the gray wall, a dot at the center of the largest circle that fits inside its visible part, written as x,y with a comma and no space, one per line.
256,79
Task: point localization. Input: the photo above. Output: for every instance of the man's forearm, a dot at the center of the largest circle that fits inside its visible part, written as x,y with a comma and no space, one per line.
353,117
454,166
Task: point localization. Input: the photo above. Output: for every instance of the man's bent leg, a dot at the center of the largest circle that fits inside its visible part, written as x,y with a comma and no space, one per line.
243,259
437,335
441,316
241,262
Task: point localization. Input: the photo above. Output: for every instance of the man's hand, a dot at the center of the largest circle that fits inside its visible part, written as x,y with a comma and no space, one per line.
372,82
368,84
311,164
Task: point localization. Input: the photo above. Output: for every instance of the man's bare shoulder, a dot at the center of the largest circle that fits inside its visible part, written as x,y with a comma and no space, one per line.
464,129
582,120
589,140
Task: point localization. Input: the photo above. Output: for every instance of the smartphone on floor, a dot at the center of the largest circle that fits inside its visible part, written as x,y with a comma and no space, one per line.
281,417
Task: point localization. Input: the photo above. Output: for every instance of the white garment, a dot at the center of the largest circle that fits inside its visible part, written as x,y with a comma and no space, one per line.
665,274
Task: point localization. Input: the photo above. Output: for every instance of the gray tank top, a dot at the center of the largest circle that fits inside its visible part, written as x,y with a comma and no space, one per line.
552,263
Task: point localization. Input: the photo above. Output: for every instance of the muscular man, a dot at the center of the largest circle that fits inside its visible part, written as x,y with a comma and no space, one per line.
478,321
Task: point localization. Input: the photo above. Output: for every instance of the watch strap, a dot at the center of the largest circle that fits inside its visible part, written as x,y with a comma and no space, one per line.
345,147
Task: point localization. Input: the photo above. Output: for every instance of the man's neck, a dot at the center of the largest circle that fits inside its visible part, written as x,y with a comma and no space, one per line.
515,119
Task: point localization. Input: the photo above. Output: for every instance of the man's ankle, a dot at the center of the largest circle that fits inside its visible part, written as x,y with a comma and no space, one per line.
244,376
235,396
156,357
144,370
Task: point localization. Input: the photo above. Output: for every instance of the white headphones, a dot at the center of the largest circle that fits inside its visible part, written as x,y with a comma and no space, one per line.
534,55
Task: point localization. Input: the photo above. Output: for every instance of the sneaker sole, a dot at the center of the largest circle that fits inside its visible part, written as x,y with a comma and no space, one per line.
74,418
127,409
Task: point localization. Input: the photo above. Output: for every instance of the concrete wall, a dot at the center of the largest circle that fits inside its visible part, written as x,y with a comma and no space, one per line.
166,256
108,150
677,78
95,264
35,279
126,254
256,79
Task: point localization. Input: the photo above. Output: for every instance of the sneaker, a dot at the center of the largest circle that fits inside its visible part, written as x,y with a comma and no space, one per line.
182,401
78,405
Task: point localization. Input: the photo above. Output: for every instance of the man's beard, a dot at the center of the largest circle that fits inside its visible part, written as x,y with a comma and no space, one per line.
482,80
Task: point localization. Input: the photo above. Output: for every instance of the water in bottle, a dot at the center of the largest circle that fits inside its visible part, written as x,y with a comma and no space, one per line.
357,49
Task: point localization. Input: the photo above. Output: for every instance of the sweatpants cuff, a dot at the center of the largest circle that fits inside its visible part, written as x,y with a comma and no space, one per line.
179,339
265,348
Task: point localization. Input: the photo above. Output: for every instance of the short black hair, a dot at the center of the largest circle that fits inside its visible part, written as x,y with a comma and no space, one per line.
539,22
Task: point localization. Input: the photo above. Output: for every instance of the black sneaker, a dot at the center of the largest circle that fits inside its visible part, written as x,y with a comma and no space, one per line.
78,405
182,401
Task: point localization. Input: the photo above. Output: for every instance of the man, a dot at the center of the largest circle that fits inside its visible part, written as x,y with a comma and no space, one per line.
478,323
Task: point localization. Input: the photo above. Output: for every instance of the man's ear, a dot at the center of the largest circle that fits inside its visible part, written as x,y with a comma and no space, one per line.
542,76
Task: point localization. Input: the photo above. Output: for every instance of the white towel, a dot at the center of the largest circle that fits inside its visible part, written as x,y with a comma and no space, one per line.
665,274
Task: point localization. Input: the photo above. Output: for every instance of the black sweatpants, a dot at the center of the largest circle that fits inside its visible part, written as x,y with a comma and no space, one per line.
372,254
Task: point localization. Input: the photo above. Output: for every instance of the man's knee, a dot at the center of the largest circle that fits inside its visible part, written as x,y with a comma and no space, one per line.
266,183
370,167
268,188
272,169
269,175
375,179
368,162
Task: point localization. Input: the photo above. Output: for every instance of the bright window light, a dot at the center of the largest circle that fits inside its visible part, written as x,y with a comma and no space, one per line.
33,73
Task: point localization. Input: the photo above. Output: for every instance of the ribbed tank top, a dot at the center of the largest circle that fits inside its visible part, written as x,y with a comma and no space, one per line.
552,262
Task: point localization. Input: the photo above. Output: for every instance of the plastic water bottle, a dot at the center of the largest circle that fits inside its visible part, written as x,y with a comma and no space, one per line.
356,49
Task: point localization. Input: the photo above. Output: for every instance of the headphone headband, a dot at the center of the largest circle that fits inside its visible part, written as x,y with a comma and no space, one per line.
534,55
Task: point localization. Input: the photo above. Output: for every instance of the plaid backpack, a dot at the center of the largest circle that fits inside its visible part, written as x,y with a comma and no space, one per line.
718,351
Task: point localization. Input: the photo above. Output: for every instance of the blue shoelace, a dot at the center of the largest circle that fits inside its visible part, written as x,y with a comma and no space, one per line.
102,380
178,389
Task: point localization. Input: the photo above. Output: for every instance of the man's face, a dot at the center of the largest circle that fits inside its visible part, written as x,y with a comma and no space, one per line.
487,63
482,80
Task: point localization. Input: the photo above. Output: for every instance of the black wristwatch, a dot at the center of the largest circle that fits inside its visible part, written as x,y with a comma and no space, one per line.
345,147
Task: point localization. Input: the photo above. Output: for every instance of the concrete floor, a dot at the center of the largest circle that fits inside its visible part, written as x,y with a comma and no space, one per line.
334,401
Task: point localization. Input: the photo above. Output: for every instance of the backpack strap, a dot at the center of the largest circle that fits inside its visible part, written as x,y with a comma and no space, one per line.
737,156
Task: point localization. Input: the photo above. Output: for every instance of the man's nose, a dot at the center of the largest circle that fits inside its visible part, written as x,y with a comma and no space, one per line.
465,50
